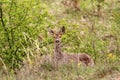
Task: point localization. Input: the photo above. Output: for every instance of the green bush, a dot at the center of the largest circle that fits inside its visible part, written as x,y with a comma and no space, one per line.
22,22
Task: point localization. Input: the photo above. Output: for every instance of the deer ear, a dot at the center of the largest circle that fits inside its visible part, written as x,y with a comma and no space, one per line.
51,32
62,31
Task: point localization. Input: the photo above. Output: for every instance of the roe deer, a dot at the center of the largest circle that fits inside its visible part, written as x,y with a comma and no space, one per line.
64,58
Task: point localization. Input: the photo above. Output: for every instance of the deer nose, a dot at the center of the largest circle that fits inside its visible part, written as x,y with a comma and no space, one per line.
57,40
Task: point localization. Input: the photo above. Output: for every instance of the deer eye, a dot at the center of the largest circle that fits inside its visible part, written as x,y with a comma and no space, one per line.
54,36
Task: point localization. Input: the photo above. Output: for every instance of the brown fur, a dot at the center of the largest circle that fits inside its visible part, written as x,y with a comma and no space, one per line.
83,58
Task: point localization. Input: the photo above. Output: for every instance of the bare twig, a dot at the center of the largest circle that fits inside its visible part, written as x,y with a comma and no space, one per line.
3,25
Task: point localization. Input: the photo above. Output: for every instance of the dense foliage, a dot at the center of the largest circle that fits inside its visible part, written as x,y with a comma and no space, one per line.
21,22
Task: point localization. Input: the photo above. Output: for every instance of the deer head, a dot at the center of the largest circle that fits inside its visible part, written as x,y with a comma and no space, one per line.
57,35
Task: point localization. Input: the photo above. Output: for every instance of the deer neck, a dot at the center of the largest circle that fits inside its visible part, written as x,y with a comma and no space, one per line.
58,52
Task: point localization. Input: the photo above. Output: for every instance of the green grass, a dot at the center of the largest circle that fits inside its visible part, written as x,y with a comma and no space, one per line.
97,36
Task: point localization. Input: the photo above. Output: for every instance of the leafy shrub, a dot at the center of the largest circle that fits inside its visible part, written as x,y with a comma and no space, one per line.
22,21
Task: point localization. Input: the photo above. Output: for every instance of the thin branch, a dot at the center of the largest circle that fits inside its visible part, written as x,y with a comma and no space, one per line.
3,25
1,16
